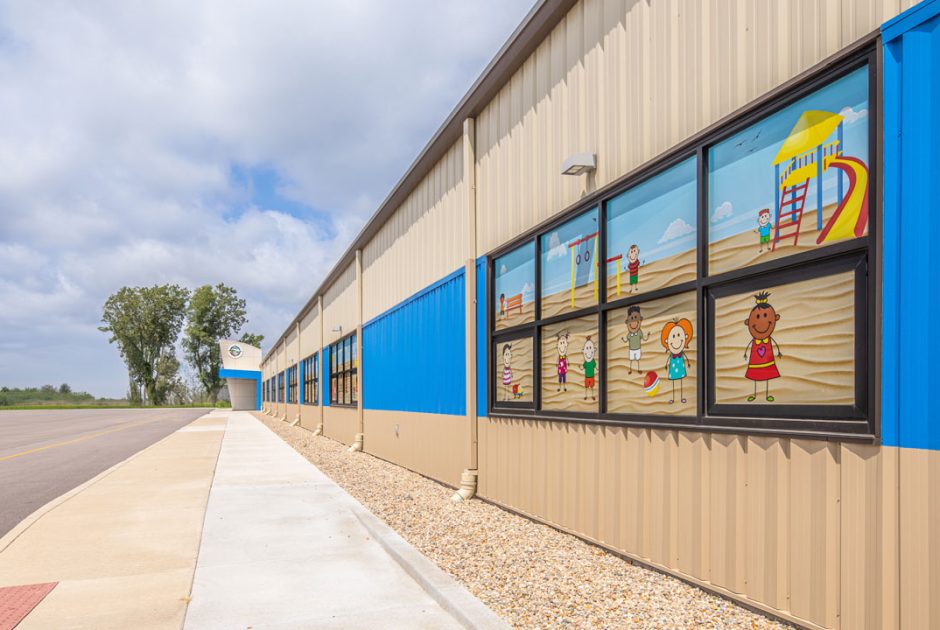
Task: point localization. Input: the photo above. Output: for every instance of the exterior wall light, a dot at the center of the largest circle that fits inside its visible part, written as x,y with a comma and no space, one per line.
579,164
338,329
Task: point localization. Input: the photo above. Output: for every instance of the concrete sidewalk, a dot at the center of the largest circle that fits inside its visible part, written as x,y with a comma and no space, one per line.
285,547
122,546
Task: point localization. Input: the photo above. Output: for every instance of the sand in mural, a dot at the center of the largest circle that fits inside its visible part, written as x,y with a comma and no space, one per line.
571,373
815,335
514,371
644,374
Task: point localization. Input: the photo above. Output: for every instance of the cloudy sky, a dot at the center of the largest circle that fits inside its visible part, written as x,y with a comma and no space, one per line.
204,142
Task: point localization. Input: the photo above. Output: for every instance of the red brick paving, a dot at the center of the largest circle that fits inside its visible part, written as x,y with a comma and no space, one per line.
17,601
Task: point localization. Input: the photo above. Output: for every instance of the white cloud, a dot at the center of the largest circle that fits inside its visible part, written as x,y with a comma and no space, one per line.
556,249
723,211
120,126
851,116
677,228
503,268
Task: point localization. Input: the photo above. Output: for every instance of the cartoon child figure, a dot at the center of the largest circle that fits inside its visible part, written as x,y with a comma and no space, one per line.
764,225
590,367
507,370
759,353
502,305
561,341
633,267
675,338
634,337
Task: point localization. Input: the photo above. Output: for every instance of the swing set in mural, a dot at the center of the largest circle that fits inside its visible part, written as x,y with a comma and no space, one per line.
583,252
807,153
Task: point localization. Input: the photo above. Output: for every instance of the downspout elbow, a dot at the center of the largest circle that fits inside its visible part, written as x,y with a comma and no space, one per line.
468,486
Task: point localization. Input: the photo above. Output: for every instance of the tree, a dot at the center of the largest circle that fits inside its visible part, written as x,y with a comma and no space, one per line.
251,339
65,388
214,313
145,323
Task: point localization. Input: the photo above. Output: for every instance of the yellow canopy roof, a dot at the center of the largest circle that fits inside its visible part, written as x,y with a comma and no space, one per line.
810,131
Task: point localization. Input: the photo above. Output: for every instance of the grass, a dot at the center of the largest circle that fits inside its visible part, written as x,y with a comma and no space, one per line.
106,406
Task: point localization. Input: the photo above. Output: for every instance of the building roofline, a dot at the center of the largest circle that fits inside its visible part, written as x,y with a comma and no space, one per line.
534,28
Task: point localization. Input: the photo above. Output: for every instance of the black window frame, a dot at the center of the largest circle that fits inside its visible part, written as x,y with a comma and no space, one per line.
858,422
292,391
344,386
312,380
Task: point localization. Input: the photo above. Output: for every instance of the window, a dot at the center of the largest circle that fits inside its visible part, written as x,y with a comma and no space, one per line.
292,385
279,391
344,387
736,292
312,380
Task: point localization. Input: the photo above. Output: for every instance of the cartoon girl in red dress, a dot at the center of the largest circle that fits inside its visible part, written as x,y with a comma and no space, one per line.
761,365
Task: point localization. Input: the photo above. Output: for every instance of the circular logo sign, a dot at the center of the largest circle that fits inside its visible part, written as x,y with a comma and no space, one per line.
234,351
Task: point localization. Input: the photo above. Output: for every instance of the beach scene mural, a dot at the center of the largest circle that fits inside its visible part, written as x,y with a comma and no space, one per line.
571,371
651,233
513,362
569,265
651,357
514,287
787,344
794,181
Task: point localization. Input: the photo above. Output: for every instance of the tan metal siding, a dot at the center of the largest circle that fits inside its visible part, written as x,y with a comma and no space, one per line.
339,306
423,241
290,349
920,543
341,424
310,333
804,529
629,80
433,445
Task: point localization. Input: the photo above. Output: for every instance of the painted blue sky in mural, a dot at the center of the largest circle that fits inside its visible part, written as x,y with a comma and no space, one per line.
658,215
741,179
556,255
515,274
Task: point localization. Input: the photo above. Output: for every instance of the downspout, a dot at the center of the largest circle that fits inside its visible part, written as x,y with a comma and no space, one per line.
357,445
319,429
468,479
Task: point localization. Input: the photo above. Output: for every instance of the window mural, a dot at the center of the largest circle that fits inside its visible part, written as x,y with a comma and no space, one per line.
514,370
652,359
569,265
570,365
796,180
651,235
514,287
787,344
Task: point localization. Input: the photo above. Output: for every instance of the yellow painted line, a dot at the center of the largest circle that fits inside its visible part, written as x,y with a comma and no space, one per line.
78,439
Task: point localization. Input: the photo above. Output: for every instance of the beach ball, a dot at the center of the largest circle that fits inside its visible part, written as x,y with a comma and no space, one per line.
651,383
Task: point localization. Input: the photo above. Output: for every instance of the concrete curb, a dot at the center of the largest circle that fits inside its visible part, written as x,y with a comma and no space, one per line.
469,611
20,528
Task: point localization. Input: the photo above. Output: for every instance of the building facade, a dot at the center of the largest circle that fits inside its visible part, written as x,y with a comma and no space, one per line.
694,348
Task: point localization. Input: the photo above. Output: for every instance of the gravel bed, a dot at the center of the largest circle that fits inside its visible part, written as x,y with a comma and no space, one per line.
531,575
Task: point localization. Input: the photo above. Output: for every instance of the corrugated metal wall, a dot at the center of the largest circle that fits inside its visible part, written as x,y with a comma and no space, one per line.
415,353
806,528
425,239
629,79
340,306
431,444
310,333
911,288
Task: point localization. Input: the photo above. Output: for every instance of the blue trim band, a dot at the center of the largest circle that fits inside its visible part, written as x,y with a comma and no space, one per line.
417,296
910,19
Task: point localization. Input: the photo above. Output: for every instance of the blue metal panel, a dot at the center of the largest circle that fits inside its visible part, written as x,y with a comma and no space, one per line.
911,252
300,382
413,355
482,380
246,374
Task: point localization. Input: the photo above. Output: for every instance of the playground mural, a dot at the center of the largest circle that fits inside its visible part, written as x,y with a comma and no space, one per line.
787,344
796,180
651,360
514,287
514,370
571,369
569,265
651,233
